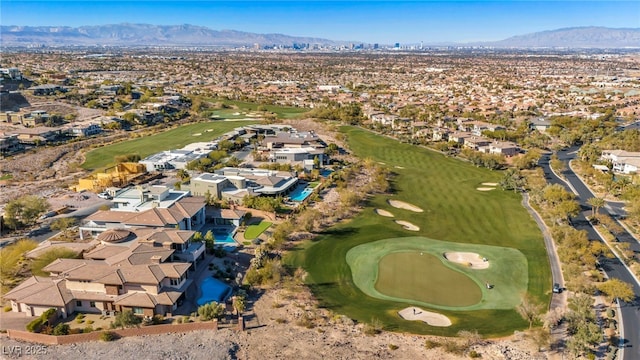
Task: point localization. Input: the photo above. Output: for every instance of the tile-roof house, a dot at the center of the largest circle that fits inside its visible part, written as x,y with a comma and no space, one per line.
185,214
85,285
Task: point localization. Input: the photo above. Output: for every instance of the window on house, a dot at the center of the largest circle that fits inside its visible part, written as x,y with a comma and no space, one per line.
138,310
175,282
78,303
92,304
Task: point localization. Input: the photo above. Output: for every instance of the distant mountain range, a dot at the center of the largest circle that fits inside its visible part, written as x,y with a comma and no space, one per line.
190,35
577,37
144,34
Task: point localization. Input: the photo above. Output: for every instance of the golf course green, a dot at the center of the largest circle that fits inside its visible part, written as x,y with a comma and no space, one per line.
423,278
455,215
414,270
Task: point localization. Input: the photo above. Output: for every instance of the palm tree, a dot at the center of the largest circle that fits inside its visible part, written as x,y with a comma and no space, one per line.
596,203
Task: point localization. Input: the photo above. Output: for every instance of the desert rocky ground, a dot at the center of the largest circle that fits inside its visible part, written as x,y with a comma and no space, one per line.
275,333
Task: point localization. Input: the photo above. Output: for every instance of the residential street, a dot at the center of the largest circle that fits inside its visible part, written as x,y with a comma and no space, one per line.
614,268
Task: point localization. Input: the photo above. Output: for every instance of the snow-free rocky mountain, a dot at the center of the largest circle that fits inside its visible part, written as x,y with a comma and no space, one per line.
191,35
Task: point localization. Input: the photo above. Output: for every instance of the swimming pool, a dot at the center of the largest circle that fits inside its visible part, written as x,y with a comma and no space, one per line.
213,290
300,193
325,172
224,238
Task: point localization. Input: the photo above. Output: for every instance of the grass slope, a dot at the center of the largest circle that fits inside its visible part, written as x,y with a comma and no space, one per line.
454,211
171,139
253,231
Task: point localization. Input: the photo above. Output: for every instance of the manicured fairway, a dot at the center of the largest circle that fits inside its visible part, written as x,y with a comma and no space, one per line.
243,108
454,211
422,278
171,139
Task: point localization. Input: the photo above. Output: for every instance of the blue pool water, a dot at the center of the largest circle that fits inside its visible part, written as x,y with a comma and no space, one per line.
300,193
224,238
213,290
325,172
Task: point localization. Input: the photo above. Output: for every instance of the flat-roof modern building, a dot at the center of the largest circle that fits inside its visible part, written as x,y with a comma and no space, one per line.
235,183
177,159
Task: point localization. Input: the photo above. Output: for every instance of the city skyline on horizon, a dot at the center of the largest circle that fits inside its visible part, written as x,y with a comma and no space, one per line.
384,22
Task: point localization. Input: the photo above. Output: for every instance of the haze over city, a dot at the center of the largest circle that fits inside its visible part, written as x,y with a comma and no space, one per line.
320,180
368,21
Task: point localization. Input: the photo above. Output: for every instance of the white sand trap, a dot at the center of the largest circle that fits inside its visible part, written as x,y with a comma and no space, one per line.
197,134
485,189
404,205
490,184
466,258
384,213
431,318
399,167
407,225
209,130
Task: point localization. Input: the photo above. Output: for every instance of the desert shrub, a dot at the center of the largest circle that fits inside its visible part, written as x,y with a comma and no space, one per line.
373,328
61,329
35,325
80,316
211,311
393,347
75,331
79,320
107,336
179,320
431,344
306,321
7,308
87,329
185,319
474,354
90,322
453,347
281,321
611,313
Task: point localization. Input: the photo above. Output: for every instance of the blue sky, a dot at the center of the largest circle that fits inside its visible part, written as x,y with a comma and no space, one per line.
366,21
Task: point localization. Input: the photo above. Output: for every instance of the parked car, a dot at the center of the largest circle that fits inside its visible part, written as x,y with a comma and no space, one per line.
104,195
557,288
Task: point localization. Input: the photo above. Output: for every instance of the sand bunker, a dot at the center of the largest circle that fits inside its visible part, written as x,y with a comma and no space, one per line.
404,205
384,213
197,134
407,225
431,318
490,184
467,258
399,167
485,188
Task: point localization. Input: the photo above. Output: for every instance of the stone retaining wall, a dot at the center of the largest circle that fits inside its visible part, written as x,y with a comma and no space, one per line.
95,335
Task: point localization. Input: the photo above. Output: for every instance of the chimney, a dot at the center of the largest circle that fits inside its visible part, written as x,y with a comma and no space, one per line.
167,245
155,259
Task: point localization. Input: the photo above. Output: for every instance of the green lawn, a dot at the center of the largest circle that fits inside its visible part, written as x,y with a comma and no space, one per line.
171,139
454,211
6,177
413,270
242,109
253,231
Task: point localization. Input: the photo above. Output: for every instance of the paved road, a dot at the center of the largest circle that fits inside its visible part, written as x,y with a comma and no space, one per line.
630,312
